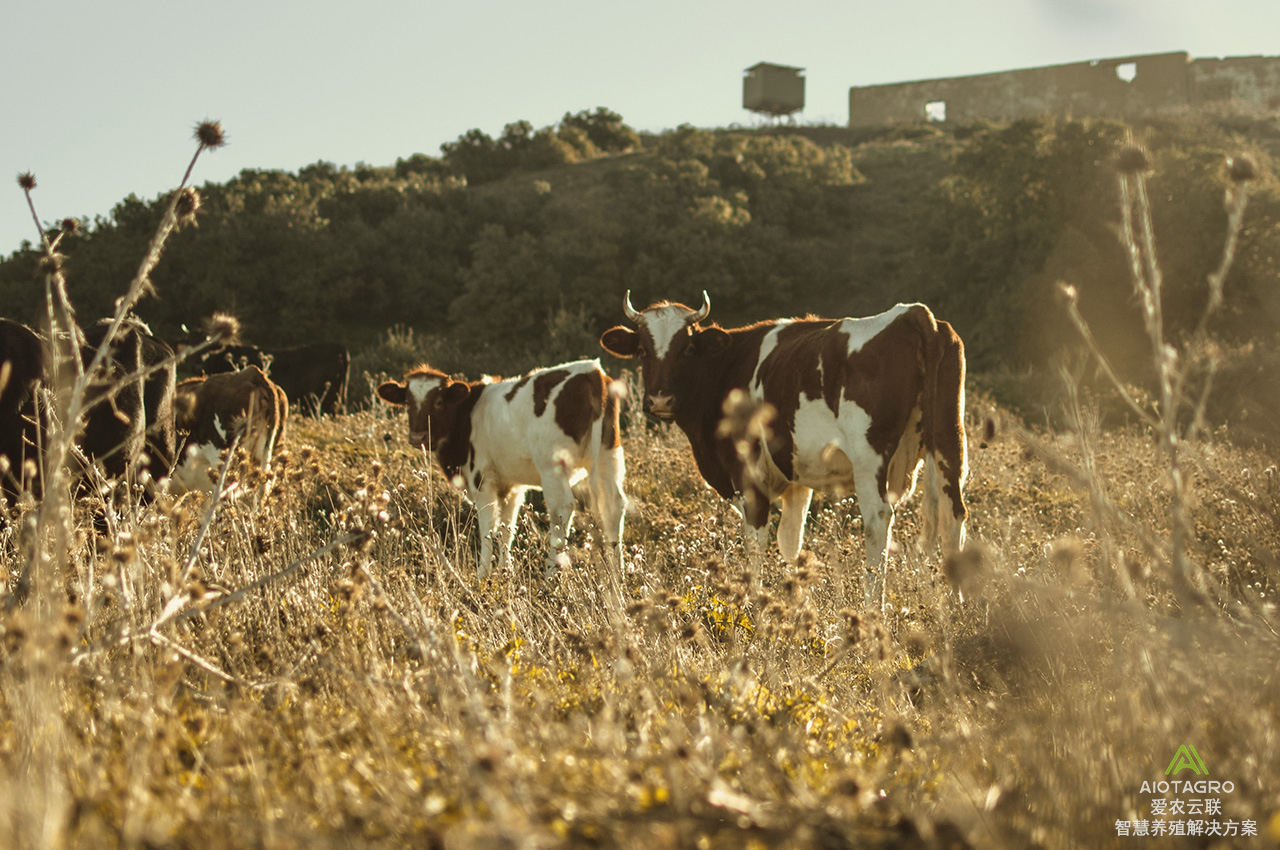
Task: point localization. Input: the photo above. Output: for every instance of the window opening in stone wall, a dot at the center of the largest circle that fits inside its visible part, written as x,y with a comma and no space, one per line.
935,110
1126,71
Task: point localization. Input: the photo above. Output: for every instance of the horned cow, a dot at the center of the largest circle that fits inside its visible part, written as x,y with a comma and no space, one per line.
554,429
859,405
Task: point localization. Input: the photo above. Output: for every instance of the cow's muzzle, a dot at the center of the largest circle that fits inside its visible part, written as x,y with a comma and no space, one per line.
417,438
660,406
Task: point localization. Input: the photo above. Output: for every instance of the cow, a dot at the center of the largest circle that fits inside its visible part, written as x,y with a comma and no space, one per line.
314,377
130,423
127,426
858,406
555,429
214,411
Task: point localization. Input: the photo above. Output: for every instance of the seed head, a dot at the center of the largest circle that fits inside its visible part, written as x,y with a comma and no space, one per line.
224,327
1132,159
27,180
209,134
1241,168
188,204
1067,293
51,263
70,225
964,569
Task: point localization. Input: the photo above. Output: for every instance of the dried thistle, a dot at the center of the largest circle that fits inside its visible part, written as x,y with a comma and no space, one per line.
1242,168
209,134
965,570
187,206
1132,159
224,327
27,181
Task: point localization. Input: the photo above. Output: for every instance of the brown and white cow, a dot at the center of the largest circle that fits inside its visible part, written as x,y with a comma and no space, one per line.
213,411
859,405
554,429
313,376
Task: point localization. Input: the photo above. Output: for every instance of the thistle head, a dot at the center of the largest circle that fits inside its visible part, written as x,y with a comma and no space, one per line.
1241,168
209,134
1132,159
186,206
27,181
222,327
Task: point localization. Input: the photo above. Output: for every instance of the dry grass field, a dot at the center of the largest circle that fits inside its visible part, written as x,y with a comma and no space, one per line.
312,663
320,669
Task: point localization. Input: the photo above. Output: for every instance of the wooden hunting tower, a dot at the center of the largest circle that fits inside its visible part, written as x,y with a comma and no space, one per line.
773,89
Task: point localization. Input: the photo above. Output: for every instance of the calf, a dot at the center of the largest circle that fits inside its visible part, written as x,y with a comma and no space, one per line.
211,412
858,404
554,429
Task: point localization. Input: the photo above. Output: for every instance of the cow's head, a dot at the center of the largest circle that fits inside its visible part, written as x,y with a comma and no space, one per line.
668,343
432,398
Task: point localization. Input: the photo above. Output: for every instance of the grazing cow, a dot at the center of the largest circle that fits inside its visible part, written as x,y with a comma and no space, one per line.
550,429
128,424
858,405
211,412
314,377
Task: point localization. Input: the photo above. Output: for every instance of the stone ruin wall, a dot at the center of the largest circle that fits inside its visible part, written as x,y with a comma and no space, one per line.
1121,88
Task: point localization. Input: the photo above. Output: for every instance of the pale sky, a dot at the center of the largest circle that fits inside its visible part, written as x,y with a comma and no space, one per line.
99,98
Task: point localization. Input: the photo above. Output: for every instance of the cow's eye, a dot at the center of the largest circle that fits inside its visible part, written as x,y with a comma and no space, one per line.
641,351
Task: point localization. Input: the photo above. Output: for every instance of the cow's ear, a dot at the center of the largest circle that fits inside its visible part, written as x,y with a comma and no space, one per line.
392,392
710,341
620,342
454,392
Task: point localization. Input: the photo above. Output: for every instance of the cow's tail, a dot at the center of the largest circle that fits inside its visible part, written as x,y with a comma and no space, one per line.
945,448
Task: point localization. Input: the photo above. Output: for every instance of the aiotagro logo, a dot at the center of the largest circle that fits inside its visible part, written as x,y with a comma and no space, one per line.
1186,806
1186,758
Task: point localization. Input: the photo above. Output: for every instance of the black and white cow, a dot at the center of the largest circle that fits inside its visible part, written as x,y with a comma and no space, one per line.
554,429
859,405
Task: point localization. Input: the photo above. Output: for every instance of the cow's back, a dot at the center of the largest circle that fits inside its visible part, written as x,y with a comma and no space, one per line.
521,423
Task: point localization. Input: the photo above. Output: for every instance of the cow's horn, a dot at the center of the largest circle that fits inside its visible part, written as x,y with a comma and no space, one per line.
628,309
705,311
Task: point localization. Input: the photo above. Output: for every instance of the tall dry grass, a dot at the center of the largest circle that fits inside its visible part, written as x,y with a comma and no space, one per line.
312,663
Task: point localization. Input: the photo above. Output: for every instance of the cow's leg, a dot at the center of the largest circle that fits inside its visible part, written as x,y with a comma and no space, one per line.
558,495
609,500
753,505
504,530
795,509
487,516
877,523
